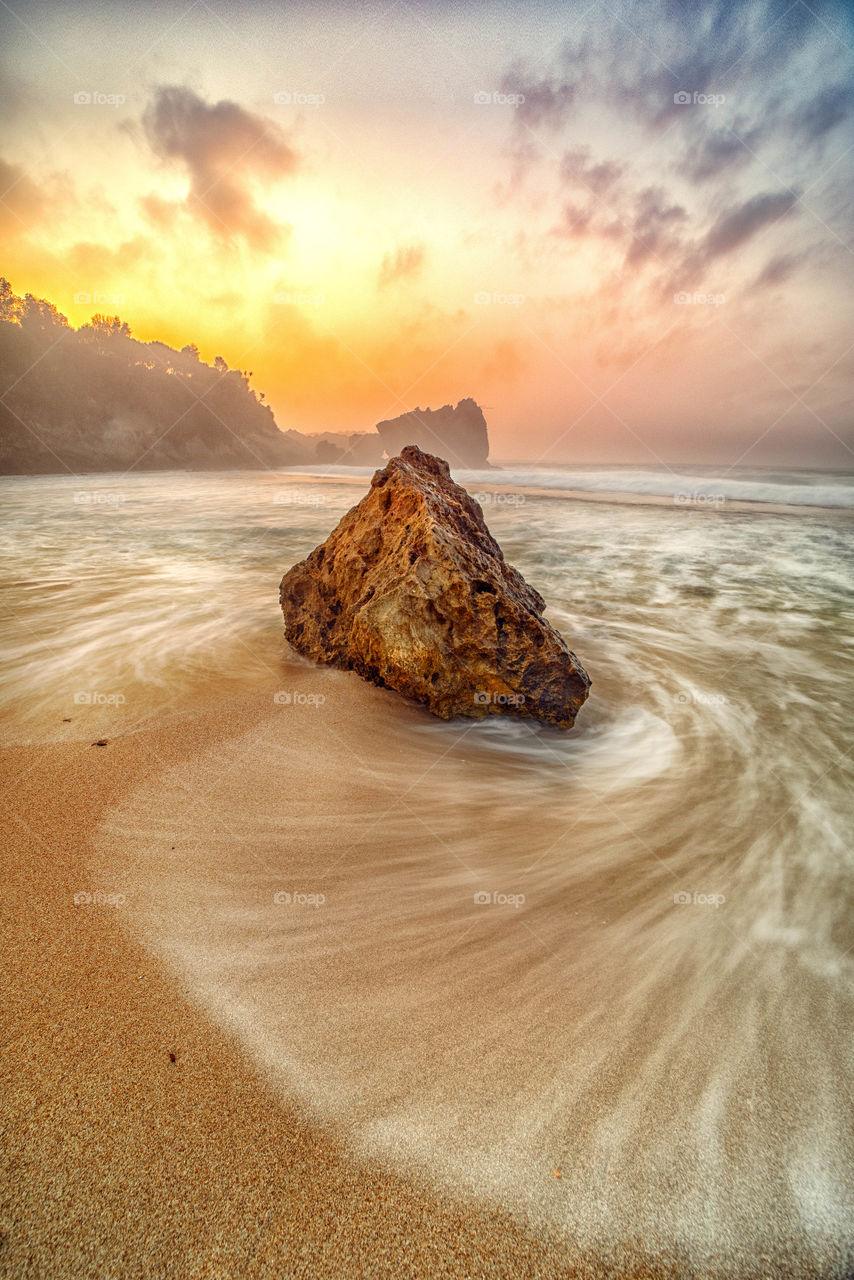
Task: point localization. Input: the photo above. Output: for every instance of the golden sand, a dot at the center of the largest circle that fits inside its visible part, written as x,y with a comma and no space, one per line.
138,1140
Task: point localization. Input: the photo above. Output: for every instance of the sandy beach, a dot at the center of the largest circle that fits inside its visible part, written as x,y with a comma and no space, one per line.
141,1139
427,640
120,1161
303,981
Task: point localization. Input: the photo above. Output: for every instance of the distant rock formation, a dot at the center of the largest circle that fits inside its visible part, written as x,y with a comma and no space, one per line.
459,435
412,592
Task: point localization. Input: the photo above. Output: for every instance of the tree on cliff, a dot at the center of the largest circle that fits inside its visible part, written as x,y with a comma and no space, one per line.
96,399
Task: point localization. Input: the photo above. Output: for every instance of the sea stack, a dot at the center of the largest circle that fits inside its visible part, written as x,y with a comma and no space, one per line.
457,434
412,592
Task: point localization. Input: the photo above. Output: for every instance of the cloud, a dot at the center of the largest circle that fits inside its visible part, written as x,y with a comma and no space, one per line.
741,222
599,178
23,204
546,102
718,152
824,112
224,148
779,269
647,222
402,263
655,227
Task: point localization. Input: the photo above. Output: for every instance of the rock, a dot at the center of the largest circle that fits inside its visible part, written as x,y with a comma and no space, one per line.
459,434
412,592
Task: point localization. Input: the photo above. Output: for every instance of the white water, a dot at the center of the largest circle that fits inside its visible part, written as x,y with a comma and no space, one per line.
709,486
685,1065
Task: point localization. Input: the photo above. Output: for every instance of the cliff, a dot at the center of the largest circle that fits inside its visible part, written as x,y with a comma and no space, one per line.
457,434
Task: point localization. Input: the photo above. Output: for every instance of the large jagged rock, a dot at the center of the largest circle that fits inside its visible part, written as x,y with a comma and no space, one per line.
412,591
458,434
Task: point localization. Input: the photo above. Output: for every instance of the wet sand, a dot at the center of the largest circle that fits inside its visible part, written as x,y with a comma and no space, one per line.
386,1086
120,1161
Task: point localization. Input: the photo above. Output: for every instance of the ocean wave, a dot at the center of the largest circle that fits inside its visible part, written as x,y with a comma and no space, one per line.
683,487
690,488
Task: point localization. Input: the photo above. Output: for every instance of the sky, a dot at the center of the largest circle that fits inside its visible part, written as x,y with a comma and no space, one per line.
624,228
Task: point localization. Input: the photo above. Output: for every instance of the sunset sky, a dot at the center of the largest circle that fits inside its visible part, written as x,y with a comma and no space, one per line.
377,206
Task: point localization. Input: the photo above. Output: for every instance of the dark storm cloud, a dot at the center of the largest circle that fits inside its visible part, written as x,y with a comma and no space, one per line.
224,148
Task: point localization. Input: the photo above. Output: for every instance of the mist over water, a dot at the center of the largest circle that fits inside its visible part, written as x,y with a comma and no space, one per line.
624,953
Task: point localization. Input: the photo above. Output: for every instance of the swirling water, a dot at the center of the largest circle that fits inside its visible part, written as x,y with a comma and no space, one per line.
624,954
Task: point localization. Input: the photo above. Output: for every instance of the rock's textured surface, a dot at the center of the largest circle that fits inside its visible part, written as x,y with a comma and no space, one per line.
412,591
458,434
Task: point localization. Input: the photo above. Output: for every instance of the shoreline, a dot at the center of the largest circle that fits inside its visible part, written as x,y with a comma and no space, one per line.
620,497
123,1161
120,1160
